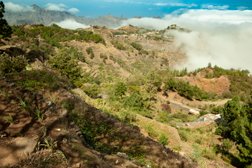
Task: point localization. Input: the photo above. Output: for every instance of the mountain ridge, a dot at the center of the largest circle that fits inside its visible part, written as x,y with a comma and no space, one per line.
40,15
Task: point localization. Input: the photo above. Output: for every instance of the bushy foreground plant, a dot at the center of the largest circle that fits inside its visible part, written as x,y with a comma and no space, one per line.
236,126
12,64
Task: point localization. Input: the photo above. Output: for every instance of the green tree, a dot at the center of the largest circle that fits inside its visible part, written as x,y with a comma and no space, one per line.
236,125
66,62
5,29
120,89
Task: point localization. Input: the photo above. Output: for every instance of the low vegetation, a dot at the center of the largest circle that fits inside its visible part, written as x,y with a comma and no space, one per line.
66,62
12,64
54,35
240,81
186,90
118,45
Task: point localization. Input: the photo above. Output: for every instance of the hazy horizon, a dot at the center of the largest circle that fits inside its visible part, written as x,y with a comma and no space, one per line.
128,8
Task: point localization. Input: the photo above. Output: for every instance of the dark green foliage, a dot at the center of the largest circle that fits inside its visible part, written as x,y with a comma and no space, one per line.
163,139
94,132
54,34
37,80
120,89
236,126
68,104
218,71
226,146
12,64
66,62
90,36
135,101
91,90
186,90
5,29
101,134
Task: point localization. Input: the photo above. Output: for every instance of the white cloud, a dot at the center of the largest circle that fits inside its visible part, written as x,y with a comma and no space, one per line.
71,24
73,10
12,7
219,7
175,4
168,4
55,7
222,37
127,1
61,7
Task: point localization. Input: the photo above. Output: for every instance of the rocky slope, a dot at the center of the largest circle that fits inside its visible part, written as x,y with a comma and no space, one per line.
44,124
106,98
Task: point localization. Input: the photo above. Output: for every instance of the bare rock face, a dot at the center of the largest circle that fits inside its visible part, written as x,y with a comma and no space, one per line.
12,151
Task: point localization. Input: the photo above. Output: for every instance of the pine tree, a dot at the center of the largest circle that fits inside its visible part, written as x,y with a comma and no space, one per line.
5,29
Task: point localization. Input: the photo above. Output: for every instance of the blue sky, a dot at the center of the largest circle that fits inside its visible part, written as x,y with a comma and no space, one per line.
133,8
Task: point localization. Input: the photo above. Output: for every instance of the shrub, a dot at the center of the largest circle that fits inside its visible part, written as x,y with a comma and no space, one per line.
118,45
134,101
12,64
120,89
38,79
235,125
91,90
186,90
90,36
66,62
163,139
128,117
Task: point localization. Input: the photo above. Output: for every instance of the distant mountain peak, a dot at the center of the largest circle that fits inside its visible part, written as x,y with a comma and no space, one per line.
36,7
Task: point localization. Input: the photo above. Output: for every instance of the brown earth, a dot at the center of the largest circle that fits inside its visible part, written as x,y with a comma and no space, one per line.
28,140
218,86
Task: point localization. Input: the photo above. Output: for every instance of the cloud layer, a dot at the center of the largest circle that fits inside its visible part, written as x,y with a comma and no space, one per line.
61,7
12,7
71,24
220,37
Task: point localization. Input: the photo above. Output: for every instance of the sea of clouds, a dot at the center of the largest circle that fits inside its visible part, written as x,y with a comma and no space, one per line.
219,37
71,24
